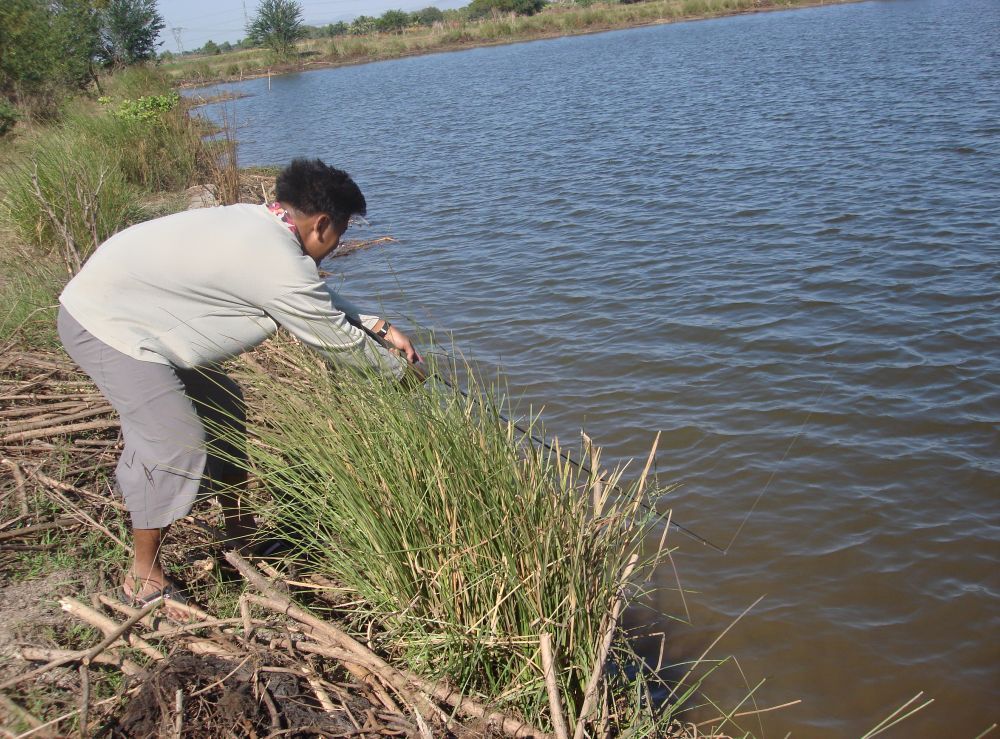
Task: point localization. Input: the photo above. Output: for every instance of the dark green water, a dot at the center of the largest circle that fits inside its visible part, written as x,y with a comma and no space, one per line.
775,239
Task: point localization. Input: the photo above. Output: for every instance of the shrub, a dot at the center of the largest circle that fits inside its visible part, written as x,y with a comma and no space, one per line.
481,8
29,291
146,109
137,81
156,149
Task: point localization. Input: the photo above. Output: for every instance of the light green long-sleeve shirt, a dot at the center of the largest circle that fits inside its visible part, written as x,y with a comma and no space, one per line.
199,287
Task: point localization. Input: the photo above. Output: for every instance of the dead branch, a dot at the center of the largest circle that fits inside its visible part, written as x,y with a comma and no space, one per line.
81,655
58,523
13,431
111,659
112,630
552,688
604,649
51,431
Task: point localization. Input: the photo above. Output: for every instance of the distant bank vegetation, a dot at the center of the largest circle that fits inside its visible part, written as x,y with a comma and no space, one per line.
397,33
53,50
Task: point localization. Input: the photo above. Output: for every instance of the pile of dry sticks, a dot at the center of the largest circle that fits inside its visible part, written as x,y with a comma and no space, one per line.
274,670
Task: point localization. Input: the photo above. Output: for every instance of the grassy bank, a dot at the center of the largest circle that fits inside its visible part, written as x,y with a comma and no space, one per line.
455,35
69,185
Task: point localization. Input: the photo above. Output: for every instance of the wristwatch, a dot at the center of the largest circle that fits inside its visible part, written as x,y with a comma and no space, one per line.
382,332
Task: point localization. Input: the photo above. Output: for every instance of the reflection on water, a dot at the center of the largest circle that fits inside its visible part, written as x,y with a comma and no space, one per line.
773,237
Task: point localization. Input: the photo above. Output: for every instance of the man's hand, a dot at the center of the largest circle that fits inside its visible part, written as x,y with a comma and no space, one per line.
402,345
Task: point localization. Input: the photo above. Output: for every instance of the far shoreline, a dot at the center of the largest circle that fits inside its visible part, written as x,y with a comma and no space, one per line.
525,36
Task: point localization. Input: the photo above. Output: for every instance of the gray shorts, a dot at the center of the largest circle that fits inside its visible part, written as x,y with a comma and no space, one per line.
184,429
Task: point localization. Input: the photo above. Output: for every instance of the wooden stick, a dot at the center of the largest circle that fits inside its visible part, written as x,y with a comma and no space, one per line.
112,629
317,686
36,380
84,699
12,707
72,713
58,396
47,422
65,487
349,662
58,523
400,681
555,700
127,666
85,655
459,702
60,430
34,410
590,694
87,519
22,498
281,603
179,716
272,708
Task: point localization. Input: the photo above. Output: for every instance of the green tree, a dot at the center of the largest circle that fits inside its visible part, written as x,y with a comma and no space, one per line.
427,16
278,25
46,48
480,8
77,27
393,20
128,32
363,25
211,47
27,53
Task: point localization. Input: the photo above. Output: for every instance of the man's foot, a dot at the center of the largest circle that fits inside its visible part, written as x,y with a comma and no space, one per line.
239,535
175,603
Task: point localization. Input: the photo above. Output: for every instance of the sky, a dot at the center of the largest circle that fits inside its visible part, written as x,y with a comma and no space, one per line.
197,21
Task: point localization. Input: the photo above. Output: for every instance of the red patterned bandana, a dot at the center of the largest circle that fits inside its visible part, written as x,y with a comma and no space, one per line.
285,217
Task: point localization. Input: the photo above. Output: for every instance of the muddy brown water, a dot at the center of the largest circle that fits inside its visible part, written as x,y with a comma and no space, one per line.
775,239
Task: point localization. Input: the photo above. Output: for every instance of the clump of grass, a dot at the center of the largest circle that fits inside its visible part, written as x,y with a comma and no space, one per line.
28,291
463,542
137,81
69,191
157,151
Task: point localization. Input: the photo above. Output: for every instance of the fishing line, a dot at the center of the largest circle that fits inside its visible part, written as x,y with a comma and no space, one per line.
774,472
585,467
582,466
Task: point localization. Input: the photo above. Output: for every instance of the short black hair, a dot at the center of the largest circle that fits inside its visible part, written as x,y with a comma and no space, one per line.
315,187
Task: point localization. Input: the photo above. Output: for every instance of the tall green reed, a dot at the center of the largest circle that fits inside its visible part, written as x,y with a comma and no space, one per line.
463,542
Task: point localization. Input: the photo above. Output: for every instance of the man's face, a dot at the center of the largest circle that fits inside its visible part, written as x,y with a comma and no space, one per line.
321,236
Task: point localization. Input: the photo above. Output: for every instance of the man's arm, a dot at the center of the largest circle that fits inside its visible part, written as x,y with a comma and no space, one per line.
379,327
310,315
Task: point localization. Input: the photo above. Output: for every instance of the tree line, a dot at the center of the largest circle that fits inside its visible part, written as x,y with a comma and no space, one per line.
51,47
278,23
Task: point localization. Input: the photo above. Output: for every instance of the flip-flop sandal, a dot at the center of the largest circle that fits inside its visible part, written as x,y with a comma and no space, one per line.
273,548
167,592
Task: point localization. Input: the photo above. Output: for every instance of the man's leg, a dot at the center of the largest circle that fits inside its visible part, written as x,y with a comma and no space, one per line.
164,458
146,576
241,527
221,407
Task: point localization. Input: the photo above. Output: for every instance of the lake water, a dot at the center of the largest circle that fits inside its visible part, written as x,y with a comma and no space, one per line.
775,239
